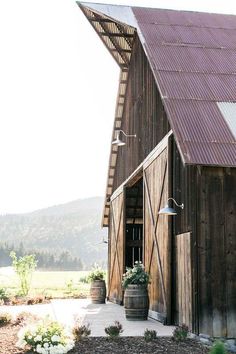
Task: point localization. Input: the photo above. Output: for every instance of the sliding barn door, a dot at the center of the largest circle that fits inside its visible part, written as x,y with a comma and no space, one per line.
116,249
157,237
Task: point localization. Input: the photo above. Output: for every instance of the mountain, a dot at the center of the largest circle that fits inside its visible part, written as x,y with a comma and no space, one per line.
73,227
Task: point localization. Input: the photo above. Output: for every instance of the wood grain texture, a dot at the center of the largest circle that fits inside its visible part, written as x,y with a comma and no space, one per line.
184,279
116,248
156,235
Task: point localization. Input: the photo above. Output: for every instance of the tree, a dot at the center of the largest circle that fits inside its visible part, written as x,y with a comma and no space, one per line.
24,268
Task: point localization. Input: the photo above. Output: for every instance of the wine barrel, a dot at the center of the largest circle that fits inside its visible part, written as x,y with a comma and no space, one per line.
136,302
98,291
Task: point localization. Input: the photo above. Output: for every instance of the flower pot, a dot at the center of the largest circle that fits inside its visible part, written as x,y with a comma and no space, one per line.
98,291
136,302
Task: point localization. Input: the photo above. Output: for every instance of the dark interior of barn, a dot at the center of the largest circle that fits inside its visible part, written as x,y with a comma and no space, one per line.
134,224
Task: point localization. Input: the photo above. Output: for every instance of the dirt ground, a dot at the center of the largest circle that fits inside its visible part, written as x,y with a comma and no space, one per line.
103,345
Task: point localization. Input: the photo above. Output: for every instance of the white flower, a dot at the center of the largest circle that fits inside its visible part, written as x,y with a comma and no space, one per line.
46,345
38,348
38,338
55,338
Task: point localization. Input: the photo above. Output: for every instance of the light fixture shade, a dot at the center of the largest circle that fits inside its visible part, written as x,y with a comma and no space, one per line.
118,142
167,211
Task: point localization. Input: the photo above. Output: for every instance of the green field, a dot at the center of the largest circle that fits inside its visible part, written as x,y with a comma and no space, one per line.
55,284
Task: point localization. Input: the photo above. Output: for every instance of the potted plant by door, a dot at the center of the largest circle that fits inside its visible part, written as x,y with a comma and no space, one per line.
136,302
98,285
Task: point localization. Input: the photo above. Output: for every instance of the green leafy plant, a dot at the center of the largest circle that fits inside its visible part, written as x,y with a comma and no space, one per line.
70,286
24,268
114,331
84,280
46,337
136,275
218,348
5,318
4,294
97,273
180,333
150,334
81,331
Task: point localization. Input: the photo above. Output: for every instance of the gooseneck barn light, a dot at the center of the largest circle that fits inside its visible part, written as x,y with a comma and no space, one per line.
119,142
168,210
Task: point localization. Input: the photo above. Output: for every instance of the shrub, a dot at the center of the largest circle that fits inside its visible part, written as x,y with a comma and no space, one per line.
97,273
150,334
4,294
84,280
35,300
218,348
25,317
180,333
135,275
5,318
45,337
114,331
24,268
15,301
69,286
80,331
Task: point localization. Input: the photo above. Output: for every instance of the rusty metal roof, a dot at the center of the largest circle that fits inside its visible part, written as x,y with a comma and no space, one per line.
193,59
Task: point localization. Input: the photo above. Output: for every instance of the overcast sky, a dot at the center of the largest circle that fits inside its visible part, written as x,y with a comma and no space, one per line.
58,88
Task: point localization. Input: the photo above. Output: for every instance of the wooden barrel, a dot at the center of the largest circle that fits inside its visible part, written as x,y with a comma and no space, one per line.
98,291
136,303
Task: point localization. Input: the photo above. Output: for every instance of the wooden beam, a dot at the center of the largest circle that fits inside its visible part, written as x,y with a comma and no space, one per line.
122,30
111,34
106,20
122,50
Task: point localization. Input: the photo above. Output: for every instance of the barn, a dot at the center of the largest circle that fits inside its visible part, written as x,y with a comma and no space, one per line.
176,102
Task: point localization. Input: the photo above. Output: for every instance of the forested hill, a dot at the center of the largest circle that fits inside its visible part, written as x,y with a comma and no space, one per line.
73,227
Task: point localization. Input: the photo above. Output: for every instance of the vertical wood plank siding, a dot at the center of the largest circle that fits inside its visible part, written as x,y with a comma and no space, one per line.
143,115
217,252
209,196
184,188
184,279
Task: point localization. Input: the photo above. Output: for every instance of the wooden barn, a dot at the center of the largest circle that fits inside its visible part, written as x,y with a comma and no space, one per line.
177,94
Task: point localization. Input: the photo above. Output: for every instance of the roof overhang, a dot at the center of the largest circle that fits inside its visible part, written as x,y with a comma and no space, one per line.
118,38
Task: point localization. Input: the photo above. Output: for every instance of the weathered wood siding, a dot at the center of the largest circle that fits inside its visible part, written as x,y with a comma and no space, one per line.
184,190
143,115
184,279
157,241
217,251
116,249
209,196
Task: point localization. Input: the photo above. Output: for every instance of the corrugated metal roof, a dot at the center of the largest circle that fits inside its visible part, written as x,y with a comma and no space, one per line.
193,58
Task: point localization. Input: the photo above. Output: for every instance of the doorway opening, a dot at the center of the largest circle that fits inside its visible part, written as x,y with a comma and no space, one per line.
134,224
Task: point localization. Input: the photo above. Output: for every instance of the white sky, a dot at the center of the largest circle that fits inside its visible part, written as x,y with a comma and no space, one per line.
58,89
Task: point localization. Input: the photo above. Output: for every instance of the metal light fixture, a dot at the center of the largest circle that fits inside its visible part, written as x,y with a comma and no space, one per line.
168,210
119,142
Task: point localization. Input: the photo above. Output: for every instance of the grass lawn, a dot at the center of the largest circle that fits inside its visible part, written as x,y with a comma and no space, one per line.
49,283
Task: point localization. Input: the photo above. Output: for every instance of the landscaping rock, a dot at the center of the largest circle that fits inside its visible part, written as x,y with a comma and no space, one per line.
205,341
206,336
192,336
230,342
